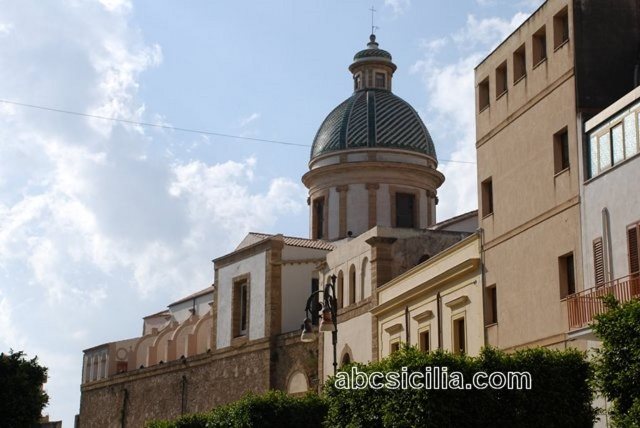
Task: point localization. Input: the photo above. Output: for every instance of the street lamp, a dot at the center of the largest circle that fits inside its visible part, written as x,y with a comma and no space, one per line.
328,320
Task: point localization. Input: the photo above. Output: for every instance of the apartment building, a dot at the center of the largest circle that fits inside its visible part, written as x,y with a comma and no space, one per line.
567,62
610,212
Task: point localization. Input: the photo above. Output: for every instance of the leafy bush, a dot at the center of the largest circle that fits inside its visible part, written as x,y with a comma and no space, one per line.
618,360
272,409
560,395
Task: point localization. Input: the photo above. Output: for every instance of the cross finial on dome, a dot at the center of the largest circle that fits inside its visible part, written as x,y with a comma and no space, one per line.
373,27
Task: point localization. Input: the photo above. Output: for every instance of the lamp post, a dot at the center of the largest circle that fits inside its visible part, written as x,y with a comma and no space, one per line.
328,317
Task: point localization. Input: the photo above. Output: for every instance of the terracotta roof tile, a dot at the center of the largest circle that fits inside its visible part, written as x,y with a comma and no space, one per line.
298,242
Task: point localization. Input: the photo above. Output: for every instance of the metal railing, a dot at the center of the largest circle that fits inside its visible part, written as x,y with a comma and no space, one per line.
583,306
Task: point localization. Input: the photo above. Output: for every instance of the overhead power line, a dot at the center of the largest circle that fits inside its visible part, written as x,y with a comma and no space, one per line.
172,128
154,125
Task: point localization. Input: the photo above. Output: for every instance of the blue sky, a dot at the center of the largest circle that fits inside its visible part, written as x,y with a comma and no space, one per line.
102,223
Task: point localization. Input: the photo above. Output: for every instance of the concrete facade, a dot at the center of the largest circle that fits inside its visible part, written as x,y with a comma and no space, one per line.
362,265
608,210
533,95
422,306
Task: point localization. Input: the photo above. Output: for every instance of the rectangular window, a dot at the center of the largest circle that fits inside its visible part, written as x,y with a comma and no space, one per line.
243,308
561,28
630,136
381,80
395,346
567,275
614,141
519,64
539,42
405,205
240,306
598,261
487,197
356,82
501,79
459,336
425,341
491,300
593,161
483,94
561,150
604,152
318,218
633,245
617,143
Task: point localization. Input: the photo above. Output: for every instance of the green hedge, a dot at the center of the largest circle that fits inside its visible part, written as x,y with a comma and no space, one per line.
560,397
272,409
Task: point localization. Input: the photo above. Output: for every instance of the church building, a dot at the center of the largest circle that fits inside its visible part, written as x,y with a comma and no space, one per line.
400,276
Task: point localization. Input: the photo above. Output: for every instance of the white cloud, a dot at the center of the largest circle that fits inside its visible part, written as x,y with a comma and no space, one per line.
435,45
98,217
488,32
399,6
5,28
248,119
10,337
221,192
119,6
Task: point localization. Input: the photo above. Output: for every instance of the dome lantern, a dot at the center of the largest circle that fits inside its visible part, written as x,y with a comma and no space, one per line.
372,68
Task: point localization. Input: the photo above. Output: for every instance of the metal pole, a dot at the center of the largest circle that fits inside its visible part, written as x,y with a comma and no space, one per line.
334,317
334,333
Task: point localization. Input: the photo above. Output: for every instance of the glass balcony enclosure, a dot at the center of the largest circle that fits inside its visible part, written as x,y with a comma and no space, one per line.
615,140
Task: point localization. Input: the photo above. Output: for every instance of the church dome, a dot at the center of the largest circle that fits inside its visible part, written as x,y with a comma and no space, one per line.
373,118
373,162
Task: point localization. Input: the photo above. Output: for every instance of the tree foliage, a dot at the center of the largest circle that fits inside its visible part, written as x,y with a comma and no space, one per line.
22,396
618,360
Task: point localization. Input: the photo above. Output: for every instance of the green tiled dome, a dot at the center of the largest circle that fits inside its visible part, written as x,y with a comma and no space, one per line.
372,53
373,118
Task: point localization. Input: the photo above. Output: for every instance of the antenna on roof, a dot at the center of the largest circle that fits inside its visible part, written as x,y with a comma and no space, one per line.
373,27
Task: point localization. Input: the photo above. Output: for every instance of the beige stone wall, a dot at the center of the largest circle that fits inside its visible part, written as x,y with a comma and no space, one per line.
540,78
408,305
536,214
209,381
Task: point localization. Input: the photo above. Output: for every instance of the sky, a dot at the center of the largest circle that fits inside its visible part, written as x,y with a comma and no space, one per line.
104,222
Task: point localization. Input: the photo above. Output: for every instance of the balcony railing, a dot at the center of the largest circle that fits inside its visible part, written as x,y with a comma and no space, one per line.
586,304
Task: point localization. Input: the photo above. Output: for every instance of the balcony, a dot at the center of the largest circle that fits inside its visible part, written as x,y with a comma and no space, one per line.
582,307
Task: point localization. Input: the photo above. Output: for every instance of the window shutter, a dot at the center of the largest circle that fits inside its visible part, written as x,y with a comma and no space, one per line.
634,256
598,261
